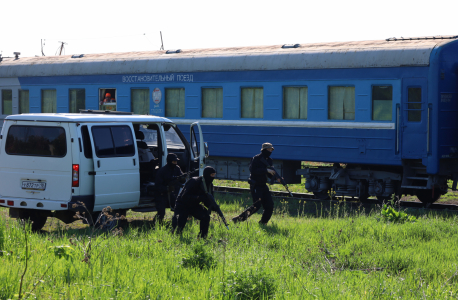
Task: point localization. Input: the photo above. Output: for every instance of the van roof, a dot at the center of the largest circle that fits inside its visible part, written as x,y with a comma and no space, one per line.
68,117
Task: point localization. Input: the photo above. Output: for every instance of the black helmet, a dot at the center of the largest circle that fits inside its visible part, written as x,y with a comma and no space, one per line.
172,157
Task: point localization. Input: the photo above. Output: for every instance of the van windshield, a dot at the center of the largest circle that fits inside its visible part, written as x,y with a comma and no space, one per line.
150,135
172,137
36,141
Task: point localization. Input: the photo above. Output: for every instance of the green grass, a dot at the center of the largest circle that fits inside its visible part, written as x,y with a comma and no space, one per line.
307,251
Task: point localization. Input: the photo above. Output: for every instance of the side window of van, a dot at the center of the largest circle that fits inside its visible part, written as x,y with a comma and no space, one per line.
113,141
36,141
86,142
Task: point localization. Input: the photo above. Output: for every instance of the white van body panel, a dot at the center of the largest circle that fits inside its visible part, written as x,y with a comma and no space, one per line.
55,172
116,179
102,181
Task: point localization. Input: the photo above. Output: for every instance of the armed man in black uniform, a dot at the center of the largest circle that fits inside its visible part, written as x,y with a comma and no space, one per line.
197,190
166,181
259,174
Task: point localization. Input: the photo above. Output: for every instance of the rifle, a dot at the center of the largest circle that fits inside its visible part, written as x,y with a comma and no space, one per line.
276,176
180,178
177,181
216,208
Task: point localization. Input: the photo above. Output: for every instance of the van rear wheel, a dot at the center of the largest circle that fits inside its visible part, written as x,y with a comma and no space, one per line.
38,218
38,222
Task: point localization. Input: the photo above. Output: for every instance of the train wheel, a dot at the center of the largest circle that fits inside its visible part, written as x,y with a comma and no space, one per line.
426,196
323,195
364,199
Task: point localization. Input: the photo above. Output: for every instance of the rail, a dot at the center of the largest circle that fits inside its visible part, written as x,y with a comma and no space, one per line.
311,197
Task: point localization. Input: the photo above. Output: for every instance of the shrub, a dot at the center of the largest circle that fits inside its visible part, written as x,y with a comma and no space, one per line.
389,214
199,258
250,285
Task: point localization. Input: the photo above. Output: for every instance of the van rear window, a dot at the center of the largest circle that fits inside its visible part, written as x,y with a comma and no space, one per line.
36,141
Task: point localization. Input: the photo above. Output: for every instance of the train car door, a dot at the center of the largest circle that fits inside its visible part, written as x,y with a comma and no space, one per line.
414,118
198,146
116,166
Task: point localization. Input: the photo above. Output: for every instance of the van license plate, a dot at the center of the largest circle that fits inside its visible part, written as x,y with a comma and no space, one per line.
33,185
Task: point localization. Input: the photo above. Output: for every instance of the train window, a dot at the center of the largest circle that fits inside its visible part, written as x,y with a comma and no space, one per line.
24,101
48,101
382,98
414,104
295,102
252,103
107,99
140,101
7,102
77,100
212,103
341,104
174,103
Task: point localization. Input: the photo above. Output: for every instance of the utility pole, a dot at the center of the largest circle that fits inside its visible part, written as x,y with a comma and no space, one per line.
42,53
61,48
162,43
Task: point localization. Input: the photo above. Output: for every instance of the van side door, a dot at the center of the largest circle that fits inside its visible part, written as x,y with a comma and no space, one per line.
198,146
116,166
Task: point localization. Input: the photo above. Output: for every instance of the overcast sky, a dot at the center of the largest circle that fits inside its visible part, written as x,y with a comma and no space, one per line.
117,26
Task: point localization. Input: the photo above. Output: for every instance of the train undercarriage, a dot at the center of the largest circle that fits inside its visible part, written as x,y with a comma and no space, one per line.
382,182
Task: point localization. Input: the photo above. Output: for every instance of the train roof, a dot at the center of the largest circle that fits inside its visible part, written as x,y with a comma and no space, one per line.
96,118
362,54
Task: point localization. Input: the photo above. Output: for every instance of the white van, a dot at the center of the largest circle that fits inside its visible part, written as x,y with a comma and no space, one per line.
48,162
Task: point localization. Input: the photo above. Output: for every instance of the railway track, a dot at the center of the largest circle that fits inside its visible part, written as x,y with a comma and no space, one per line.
311,197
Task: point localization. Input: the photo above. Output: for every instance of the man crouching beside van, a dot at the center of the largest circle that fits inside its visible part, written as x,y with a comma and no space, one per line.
196,191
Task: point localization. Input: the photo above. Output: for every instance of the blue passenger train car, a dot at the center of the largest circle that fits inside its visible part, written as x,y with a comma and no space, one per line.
385,109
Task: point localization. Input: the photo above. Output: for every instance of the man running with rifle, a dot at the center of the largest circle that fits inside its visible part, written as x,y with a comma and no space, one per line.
197,190
260,171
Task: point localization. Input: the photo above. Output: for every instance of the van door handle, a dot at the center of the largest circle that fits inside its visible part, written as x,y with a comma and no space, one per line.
98,163
134,162
91,173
